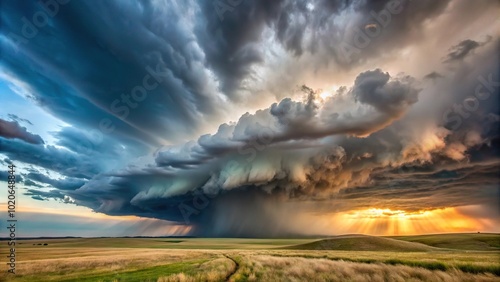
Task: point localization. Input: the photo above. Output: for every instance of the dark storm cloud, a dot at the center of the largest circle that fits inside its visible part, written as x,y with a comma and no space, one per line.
383,140
143,71
79,157
62,184
63,161
82,142
278,157
433,75
369,28
4,176
396,24
463,49
19,119
233,42
437,185
45,195
12,129
181,53
289,121
38,197
203,165
473,85
28,182
372,88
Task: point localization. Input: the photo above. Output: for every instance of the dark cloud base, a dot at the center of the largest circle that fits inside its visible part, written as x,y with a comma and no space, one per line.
152,76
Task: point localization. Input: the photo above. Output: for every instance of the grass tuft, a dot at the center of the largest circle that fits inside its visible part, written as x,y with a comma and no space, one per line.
431,265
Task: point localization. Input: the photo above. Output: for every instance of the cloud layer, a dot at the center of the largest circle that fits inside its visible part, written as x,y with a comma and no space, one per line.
335,106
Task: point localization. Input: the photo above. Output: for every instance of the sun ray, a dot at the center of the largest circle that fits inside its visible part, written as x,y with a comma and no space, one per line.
385,221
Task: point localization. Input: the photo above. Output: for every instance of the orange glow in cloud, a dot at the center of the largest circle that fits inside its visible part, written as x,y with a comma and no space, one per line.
384,221
378,221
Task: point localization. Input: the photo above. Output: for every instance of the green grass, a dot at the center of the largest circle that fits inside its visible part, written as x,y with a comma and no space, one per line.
470,241
303,267
465,241
431,265
161,243
471,268
427,264
467,261
147,274
436,265
147,259
174,241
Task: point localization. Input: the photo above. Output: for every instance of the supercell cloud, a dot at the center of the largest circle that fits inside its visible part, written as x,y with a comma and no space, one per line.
238,117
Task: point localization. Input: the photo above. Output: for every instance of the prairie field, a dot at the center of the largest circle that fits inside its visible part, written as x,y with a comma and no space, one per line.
447,257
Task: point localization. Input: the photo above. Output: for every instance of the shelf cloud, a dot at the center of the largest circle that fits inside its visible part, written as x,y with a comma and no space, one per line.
240,119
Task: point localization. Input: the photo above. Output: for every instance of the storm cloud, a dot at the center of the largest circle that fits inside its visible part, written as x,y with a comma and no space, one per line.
12,129
237,117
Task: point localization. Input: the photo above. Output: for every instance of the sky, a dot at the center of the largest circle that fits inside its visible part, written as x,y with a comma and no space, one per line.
250,118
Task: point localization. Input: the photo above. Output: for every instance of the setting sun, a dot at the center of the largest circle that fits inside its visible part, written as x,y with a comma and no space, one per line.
378,221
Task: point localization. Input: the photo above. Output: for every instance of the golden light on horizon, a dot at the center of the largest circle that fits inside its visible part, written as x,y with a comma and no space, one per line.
384,221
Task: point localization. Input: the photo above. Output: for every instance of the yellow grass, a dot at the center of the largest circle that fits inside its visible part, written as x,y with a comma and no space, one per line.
270,268
216,270
81,260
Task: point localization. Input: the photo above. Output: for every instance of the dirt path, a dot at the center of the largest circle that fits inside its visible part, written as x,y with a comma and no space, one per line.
237,266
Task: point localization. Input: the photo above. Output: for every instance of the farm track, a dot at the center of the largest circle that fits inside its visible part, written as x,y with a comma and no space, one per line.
237,266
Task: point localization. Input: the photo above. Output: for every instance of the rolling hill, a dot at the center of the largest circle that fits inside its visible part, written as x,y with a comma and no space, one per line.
459,241
364,243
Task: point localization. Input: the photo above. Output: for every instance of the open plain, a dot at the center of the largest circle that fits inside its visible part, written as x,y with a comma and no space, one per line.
444,257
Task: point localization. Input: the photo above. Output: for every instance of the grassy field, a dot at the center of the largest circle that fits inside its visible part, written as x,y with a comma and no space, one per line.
364,243
471,241
165,243
447,257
